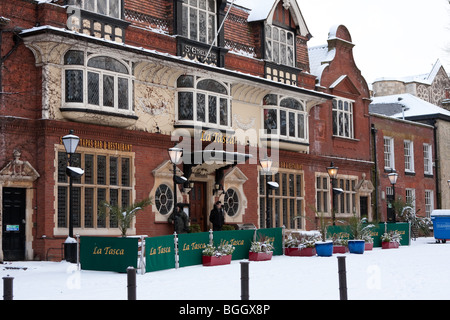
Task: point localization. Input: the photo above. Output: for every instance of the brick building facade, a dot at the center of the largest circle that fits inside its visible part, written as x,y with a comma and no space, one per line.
134,79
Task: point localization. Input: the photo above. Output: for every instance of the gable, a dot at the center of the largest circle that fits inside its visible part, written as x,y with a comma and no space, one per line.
344,86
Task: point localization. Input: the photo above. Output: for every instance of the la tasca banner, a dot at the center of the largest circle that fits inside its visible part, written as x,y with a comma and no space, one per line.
108,254
159,253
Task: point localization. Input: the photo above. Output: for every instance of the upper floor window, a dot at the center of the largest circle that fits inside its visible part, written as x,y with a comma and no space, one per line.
280,45
99,82
409,155
427,159
204,101
111,8
199,20
343,118
389,153
285,117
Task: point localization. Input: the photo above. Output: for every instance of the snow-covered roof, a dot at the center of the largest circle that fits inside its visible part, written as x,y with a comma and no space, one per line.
413,106
319,58
259,9
426,78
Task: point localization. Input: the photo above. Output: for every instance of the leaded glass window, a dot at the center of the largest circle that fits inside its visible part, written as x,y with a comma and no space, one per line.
199,20
231,202
279,45
343,118
204,101
107,86
164,199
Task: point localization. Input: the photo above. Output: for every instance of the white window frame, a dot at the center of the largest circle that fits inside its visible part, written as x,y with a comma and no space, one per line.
101,72
410,196
429,202
409,155
343,119
93,6
274,45
195,7
389,155
427,159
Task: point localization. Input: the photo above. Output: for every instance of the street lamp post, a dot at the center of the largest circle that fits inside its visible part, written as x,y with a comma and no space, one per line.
332,172
266,165
393,176
70,142
175,156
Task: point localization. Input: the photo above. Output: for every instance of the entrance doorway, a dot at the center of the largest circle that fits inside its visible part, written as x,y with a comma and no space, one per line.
14,204
364,207
197,200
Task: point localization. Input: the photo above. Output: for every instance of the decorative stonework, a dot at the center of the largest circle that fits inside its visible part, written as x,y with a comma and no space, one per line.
18,170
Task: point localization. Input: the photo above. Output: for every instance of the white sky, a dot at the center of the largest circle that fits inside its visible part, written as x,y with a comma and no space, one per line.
392,38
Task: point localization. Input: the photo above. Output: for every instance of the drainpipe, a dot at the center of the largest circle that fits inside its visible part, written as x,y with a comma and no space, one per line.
437,166
375,176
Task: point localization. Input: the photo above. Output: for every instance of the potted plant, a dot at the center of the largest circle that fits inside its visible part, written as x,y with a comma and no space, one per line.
323,247
221,255
359,230
391,240
122,216
261,250
368,242
301,246
340,245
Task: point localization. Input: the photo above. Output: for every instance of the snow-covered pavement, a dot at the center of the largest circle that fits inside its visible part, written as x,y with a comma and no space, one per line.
419,271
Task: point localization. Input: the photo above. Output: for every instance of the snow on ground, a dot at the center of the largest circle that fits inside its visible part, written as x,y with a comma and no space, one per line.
419,271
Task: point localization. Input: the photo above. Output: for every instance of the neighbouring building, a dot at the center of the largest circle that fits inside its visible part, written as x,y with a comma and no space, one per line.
435,152
133,79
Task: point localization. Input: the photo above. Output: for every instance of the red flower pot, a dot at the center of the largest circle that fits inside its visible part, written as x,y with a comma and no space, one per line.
390,245
368,246
209,261
340,249
259,256
296,252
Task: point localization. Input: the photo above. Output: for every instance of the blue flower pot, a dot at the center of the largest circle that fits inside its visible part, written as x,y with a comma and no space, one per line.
324,249
356,246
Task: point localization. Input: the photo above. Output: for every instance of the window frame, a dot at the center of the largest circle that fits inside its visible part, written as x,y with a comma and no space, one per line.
86,70
62,181
92,6
270,48
186,8
428,159
389,155
208,94
339,114
280,132
408,146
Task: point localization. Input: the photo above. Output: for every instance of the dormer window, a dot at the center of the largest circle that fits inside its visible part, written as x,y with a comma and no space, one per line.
280,45
199,20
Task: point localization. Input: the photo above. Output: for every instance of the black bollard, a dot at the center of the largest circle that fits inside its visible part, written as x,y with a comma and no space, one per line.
131,283
8,288
342,278
244,281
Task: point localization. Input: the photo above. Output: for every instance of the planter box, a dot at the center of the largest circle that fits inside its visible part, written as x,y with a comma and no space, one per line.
324,249
340,249
296,252
356,246
209,261
260,256
390,245
368,246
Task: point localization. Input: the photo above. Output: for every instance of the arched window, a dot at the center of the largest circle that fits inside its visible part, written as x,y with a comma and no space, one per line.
204,102
285,117
100,83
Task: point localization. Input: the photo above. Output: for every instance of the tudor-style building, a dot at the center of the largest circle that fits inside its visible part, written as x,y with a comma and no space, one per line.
227,83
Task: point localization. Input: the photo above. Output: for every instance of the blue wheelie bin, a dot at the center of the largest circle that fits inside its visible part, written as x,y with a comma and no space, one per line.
441,225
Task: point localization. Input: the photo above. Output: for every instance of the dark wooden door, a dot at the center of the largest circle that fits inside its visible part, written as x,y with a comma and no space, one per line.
14,204
364,207
197,200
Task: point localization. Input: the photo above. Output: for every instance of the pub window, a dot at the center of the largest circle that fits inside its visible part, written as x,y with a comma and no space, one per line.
204,102
164,199
231,202
343,118
286,203
322,194
106,178
346,201
285,117
99,83
280,45
199,20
